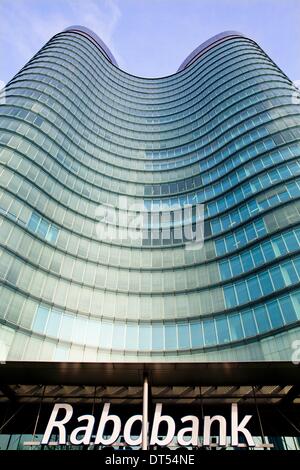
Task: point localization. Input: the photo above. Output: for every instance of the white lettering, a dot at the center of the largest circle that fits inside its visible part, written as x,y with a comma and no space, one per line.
236,428
193,430
105,417
88,430
58,424
158,418
117,460
207,429
127,431
162,434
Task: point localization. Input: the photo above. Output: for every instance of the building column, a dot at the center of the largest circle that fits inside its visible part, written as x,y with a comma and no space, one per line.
145,413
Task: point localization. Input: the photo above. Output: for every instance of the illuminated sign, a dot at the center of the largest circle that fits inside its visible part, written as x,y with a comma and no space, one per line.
89,432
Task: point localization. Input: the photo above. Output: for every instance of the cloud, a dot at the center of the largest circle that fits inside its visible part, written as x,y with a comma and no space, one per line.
26,25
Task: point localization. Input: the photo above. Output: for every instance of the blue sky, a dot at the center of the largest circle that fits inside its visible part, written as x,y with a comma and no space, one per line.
150,38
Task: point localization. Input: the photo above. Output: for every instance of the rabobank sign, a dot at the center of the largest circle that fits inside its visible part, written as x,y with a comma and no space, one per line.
161,431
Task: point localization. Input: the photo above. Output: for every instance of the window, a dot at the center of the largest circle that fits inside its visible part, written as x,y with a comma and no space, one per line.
247,261
210,337
144,336
279,246
34,222
254,288
236,327
231,243
40,319
52,234
183,336
266,283
196,334
257,256
262,319
241,239
93,332
250,232
106,334
275,314
291,241
277,278
296,263
249,323
215,226
38,121
236,265
225,270
268,251
131,336
61,353
118,336
171,336
157,336
296,302
79,327
242,292
53,323
42,227
222,330
220,247
230,296
260,227
289,273
66,327
287,309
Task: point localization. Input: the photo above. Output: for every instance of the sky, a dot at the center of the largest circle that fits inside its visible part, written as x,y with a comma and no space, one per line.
150,38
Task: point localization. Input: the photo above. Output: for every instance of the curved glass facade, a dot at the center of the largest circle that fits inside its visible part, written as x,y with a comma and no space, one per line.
81,140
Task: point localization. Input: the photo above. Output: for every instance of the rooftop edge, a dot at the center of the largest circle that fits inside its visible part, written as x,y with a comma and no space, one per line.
202,48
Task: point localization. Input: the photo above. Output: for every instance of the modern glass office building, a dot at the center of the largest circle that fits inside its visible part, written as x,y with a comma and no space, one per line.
104,175
79,134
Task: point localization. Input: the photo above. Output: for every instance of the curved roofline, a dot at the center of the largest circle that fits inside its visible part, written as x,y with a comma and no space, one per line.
206,45
94,37
201,49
